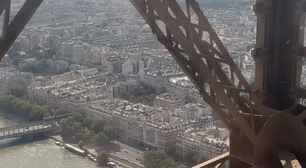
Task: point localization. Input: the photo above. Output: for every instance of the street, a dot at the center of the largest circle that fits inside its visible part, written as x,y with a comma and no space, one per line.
128,152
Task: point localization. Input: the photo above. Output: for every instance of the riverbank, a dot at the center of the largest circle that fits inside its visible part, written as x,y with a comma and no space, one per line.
17,120
92,151
38,152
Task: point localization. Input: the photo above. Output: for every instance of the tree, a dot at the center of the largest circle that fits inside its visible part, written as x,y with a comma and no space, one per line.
14,54
101,139
18,106
2,94
84,135
151,103
48,54
153,159
137,92
170,151
102,158
6,102
60,111
78,117
26,109
188,157
14,105
76,127
87,122
85,149
17,90
168,163
16,61
132,98
50,110
202,159
38,113
38,55
66,126
110,131
152,96
97,125
81,144
124,96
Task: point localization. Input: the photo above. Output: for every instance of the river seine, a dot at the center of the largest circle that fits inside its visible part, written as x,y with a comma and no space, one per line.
23,153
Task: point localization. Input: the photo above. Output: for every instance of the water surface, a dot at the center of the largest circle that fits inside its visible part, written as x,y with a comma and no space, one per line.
39,153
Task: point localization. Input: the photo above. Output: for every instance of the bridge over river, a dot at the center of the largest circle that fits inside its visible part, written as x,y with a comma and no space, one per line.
33,128
29,129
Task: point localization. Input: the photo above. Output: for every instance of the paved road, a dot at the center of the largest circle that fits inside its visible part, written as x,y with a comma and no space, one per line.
123,163
127,152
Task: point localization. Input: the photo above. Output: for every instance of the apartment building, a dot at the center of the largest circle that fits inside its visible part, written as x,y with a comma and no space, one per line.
74,95
189,111
80,103
168,101
158,79
67,49
140,123
104,110
78,53
203,143
127,68
37,95
114,64
179,86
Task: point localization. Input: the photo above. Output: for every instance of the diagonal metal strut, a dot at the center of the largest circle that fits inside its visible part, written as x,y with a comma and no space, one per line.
11,30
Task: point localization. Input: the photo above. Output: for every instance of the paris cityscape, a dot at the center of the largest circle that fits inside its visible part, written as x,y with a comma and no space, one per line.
123,98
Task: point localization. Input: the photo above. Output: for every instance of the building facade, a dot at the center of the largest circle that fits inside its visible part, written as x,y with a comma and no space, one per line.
168,101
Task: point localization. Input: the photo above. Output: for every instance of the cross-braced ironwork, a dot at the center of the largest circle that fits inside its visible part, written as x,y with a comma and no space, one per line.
12,29
195,46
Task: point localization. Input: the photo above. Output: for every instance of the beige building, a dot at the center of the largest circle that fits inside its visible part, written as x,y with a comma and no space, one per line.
122,87
158,79
140,123
74,95
57,100
92,55
202,143
114,64
168,101
127,68
161,135
104,54
8,75
78,53
88,71
69,76
189,111
104,110
79,104
37,95
179,86
67,49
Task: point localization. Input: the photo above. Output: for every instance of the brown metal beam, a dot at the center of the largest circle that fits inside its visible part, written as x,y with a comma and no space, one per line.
214,162
162,11
6,18
288,160
17,24
2,5
251,123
